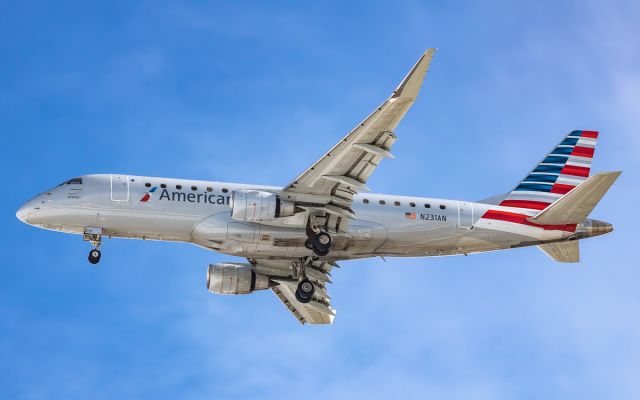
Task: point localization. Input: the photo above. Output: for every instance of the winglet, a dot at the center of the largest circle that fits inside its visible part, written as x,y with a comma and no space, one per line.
411,84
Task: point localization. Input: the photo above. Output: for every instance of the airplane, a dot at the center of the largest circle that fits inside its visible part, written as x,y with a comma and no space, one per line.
292,237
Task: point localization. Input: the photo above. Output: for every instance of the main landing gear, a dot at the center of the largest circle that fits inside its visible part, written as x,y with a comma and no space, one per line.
306,288
305,291
93,235
319,242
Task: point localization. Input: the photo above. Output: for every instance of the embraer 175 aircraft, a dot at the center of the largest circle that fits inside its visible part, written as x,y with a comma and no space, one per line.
293,236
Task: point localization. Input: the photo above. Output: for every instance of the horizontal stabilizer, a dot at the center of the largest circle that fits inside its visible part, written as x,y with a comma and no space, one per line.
575,206
566,252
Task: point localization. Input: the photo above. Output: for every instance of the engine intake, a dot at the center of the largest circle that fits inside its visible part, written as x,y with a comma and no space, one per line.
226,278
258,206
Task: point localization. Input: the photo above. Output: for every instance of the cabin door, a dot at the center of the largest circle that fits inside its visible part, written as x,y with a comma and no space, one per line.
465,215
120,188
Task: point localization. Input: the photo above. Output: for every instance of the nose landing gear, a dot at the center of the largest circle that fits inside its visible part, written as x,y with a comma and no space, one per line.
93,235
94,256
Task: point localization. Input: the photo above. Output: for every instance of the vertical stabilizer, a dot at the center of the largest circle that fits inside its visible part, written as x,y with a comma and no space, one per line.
564,168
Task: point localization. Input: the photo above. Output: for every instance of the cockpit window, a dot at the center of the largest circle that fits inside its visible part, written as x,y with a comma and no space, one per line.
74,181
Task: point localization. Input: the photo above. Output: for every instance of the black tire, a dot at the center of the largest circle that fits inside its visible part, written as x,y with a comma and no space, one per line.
94,256
322,241
305,291
302,299
308,244
320,252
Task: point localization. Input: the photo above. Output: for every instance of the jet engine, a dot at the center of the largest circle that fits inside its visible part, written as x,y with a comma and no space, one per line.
259,206
227,278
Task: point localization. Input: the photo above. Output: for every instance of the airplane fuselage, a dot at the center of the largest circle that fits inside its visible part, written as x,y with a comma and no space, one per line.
198,212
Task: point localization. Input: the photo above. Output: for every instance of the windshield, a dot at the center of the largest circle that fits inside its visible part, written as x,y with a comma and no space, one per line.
74,181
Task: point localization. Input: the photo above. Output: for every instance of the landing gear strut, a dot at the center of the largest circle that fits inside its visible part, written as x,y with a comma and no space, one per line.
94,235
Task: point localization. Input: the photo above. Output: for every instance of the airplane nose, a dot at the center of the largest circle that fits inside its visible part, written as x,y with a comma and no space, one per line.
23,213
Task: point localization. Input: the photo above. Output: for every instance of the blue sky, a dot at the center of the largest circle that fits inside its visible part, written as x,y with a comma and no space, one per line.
250,91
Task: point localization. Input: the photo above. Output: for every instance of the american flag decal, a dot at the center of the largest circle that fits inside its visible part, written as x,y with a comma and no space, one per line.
410,215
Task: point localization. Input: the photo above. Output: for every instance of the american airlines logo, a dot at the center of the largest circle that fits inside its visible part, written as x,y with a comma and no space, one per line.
148,195
206,198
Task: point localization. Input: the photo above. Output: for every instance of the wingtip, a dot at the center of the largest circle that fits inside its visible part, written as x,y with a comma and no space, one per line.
414,78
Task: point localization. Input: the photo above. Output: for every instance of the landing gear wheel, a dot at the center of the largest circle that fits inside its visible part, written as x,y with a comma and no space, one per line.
320,252
94,256
322,241
308,244
305,291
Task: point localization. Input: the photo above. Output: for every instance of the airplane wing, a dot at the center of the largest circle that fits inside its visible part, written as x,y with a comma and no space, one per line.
345,169
318,310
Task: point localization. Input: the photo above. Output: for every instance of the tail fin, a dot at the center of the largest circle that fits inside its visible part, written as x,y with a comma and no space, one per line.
564,168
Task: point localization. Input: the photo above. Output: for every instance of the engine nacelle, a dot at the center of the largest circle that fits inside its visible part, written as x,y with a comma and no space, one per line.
258,206
226,278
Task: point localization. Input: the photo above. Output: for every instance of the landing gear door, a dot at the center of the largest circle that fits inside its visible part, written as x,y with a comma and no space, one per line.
120,188
465,215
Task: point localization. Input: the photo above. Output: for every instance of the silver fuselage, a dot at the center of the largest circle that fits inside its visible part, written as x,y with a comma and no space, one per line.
198,212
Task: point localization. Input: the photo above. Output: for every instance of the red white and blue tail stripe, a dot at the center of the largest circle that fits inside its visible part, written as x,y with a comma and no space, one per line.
564,168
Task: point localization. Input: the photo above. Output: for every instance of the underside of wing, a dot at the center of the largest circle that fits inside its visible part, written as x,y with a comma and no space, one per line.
316,311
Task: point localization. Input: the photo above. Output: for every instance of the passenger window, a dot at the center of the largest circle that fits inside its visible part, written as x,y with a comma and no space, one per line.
382,202
365,201
163,186
397,203
147,184
209,189
224,190
427,205
412,204
194,188
442,207
178,187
